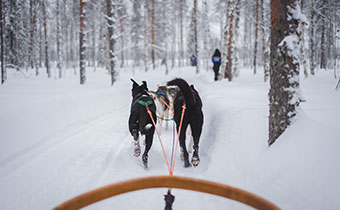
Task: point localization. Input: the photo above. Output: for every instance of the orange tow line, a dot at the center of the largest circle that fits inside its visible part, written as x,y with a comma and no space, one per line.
171,170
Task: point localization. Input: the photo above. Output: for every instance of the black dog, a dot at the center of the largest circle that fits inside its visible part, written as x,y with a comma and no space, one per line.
193,116
140,121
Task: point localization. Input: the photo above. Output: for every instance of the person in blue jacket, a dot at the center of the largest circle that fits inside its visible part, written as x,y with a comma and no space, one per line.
193,60
216,59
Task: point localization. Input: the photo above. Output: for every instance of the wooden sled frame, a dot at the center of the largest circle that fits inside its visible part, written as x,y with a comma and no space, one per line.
199,185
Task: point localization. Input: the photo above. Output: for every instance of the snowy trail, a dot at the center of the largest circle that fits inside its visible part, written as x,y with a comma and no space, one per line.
79,141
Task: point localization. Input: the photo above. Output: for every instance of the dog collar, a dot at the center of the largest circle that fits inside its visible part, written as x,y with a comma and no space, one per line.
161,94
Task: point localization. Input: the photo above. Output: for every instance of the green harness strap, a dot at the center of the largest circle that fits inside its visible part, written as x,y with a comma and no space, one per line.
145,103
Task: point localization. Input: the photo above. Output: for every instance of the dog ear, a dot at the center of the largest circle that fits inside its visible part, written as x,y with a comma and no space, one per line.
145,86
135,84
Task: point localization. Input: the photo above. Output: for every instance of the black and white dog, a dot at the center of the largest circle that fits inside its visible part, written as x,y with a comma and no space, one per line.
193,116
161,98
140,121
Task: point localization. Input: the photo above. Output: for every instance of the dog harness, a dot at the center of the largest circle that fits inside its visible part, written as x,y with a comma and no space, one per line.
144,103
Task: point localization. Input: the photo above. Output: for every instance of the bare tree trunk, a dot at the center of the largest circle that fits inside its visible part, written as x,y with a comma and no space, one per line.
256,33
284,95
265,41
82,47
165,58
58,41
73,38
2,23
146,49
110,24
174,33
153,34
181,36
40,38
302,45
205,34
47,65
323,62
196,37
228,73
32,28
225,43
94,32
235,39
311,38
121,35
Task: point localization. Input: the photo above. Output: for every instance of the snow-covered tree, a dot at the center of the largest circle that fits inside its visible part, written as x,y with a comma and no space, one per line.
284,94
111,21
82,48
256,34
136,31
47,62
2,45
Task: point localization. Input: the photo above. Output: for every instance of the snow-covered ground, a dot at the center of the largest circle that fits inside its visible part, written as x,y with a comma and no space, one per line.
59,139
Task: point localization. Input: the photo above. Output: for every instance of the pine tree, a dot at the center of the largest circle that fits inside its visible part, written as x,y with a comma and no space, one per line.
82,47
3,68
225,39
265,41
256,34
111,21
323,59
122,16
191,36
236,38
302,43
58,37
228,74
196,37
17,42
312,46
47,65
182,10
136,31
153,28
284,66
146,35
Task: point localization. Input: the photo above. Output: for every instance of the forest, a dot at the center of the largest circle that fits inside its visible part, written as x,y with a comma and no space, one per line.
72,35
270,127
69,35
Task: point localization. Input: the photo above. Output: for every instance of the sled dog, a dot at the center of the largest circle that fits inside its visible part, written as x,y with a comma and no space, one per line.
193,116
140,121
161,98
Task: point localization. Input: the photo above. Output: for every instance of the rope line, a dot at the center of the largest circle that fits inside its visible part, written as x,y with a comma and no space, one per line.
174,150
160,140
178,135
162,100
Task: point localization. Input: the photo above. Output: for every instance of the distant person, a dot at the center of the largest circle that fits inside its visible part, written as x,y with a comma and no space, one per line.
216,59
193,60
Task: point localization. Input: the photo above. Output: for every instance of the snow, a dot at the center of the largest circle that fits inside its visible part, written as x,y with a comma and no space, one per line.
60,139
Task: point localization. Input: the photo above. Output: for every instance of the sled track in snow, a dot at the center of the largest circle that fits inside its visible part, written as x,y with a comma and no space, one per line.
56,139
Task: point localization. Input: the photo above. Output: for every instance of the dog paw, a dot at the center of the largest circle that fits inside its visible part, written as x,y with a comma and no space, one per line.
195,161
136,149
187,164
145,161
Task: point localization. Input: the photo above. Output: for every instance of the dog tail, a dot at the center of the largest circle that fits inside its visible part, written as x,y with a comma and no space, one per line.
186,90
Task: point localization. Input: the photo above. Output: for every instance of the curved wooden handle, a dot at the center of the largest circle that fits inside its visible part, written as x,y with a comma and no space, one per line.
167,182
